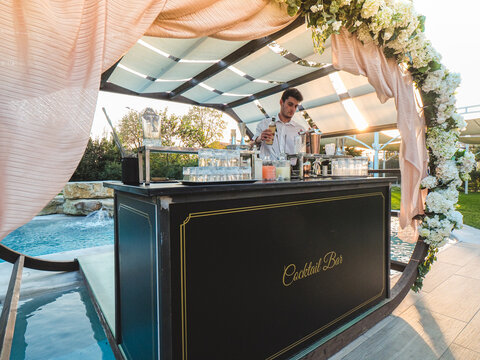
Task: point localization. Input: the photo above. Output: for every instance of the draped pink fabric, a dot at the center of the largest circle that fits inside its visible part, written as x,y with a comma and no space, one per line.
350,55
53,54
222,19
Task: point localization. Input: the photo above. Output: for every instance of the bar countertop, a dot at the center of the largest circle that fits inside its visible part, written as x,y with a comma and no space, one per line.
177,188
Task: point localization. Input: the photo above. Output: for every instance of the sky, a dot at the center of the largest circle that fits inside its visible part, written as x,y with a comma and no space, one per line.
452,27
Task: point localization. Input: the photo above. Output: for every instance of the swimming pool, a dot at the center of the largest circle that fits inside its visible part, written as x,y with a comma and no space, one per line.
59,325
56,233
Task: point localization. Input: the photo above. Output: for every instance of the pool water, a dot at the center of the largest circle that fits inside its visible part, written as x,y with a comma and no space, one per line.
56,233
59,325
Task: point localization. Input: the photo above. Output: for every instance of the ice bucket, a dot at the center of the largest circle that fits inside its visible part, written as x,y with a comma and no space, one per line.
130,171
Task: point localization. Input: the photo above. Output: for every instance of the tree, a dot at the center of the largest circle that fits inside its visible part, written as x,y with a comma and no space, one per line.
170,126
131,134
201,127
101,161
130,130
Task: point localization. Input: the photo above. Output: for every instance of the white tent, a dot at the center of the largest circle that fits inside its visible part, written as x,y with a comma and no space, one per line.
244,79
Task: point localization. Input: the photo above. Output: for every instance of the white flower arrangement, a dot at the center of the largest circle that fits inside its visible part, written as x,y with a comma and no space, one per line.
399,30
436,203
429,182
443,144
447,171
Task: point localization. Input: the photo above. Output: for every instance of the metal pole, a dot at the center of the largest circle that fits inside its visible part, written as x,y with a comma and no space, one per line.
376,147
384,155
466,181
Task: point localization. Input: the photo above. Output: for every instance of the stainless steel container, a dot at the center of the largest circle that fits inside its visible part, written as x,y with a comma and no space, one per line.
315,137
312,138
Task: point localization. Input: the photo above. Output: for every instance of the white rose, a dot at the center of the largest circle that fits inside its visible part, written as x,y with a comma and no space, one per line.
456,217
424,232
363,34
443,143
336,25
435,202
432,222
384,17
388,33
370,8
459,121
450,193
467,163
447,171
429,182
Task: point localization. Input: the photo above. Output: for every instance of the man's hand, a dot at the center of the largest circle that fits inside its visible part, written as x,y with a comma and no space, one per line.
266,135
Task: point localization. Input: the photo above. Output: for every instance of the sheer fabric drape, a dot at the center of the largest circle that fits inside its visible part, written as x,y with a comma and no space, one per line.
349,54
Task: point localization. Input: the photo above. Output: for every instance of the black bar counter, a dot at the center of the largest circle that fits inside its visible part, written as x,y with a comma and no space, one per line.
246,271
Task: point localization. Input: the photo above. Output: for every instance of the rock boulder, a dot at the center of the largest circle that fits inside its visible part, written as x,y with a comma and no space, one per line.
86,190
55,206
86,206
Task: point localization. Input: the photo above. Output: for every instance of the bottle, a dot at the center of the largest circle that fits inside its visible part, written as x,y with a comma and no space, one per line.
268,170
257,164
233,134
272,128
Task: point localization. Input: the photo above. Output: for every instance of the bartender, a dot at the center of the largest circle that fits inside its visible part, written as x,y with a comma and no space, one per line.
286,128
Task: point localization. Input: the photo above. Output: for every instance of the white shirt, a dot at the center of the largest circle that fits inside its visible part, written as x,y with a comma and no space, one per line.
284,140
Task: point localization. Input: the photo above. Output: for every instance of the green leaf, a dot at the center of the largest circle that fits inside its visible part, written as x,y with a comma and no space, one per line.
423,69
292,11
434,65
421,19
389,52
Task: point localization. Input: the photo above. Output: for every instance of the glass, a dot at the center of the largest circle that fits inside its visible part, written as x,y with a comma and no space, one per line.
365,166
233,157
282,170
202,157
330,149
243,131
221,158
349,167
246,172
341,167
186,173
268,169
298,144
358,166
335,167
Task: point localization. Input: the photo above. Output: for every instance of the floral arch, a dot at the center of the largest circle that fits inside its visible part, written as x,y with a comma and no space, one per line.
394,26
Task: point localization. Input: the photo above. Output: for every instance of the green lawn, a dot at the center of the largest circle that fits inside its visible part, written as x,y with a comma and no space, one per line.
468,205
395,198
